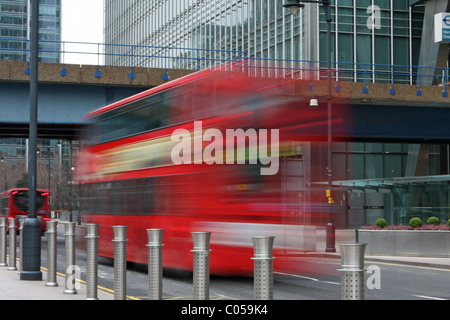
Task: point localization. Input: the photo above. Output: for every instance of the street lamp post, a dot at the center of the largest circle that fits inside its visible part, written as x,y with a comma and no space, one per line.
294,6
31,256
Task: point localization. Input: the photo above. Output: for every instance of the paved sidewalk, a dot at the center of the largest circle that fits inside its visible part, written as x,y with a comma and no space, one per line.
12,288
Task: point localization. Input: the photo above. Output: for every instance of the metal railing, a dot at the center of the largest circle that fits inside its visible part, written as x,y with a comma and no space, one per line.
132,56
166,58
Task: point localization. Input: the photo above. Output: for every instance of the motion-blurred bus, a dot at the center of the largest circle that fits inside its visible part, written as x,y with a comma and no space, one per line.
128,176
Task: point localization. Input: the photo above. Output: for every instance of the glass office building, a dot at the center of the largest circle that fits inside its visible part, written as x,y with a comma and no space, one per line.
14,30
373,179
54,161
264,29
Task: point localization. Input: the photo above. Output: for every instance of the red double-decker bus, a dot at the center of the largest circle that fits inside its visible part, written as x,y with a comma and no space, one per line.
167,158
15,203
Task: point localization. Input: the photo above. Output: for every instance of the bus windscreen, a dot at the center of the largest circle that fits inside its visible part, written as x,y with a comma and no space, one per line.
21,200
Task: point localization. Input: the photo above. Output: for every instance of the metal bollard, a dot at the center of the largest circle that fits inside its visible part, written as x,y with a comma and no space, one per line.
3,242
12,244
201,265
352,267
331,238
120,262
91,261
70,258
155,270
51,253
263,268
21,222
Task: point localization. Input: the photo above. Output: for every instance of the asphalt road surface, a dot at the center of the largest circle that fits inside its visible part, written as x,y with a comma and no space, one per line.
315,279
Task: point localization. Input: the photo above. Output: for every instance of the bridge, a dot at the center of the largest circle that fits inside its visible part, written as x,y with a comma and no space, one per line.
63,100
386,111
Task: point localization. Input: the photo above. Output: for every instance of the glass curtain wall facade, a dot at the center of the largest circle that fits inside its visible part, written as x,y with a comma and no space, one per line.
381,180
50,30
374,35
14,24
368,173
264,29
254,28
55,159
14,29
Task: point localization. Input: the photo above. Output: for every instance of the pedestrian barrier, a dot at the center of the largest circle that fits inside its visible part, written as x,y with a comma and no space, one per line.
331,238
155,269
263,267
198,59
51,233
12,244
201,265
91,261
352,262
352,267
70,258
3,242
120,262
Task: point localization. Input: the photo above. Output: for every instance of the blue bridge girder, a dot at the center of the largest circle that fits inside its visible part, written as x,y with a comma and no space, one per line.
389,123
61,107
374,111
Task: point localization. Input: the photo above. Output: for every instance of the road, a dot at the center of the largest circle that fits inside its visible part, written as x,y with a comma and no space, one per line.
317,279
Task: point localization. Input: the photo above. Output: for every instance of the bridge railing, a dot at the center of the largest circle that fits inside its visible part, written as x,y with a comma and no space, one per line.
310,70
166,58
117,54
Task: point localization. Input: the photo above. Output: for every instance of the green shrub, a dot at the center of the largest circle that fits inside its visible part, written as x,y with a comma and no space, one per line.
448,222
434,220
415,222
381,223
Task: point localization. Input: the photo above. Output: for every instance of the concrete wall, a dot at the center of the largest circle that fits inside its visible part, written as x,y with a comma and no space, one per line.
419,243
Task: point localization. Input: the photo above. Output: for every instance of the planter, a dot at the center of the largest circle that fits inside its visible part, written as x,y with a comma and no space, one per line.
418,243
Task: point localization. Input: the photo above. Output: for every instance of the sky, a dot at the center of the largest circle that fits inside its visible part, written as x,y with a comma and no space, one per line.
82,21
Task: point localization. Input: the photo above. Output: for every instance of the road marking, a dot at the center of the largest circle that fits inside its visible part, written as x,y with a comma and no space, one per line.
175,298
222,297
331,282
427,297
297,276
306,278
406,265
106,290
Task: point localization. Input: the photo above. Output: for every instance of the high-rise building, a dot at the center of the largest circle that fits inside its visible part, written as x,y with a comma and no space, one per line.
365,35
14,30
14,46
264,29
